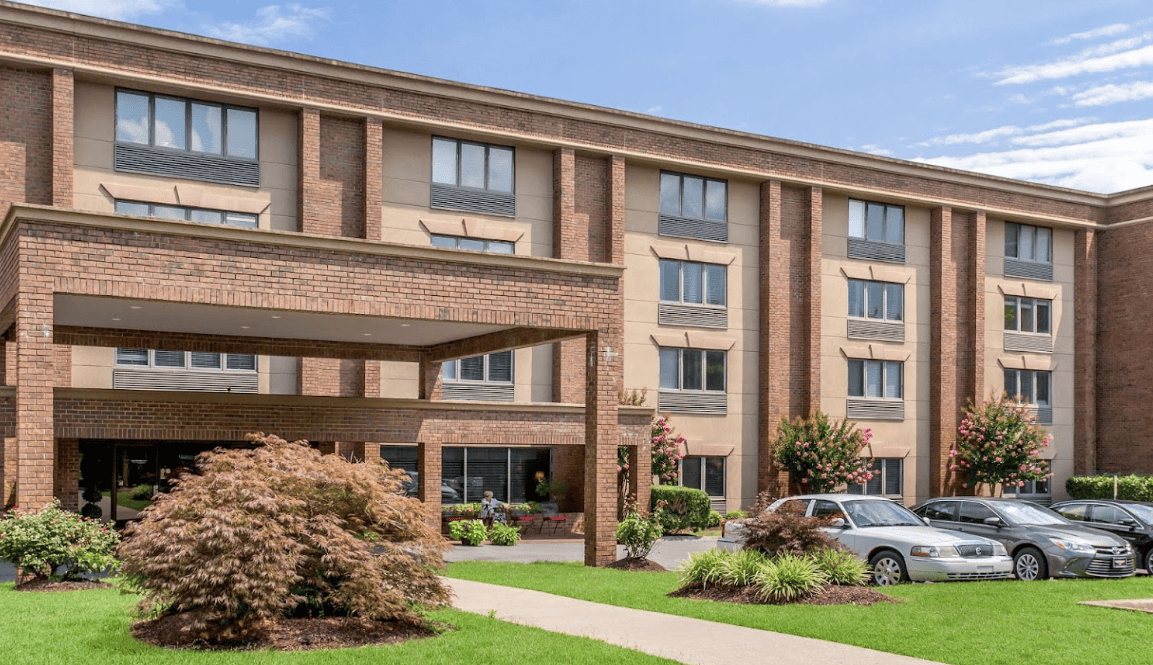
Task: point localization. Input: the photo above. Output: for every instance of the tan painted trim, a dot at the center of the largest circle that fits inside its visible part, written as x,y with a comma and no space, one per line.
37,213
693,253
1028,361
890,274
472,228
875,352
694,340
1029,290
193,196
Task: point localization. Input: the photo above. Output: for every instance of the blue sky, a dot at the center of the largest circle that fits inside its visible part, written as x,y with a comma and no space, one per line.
1059,92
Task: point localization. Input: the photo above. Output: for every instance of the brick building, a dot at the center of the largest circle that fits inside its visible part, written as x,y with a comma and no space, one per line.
202,239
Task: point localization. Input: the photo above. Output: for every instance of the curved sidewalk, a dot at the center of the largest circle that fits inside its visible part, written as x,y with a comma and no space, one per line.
679,638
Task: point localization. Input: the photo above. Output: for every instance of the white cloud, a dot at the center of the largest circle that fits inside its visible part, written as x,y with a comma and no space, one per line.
874,149
653,110
113,9
1103,95
1104,31
1096,60
786,3
979,137
273,23
1105,157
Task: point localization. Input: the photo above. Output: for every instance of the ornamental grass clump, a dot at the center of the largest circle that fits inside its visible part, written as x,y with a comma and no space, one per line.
279,530
740,568
1000,443
790,578
841,567
703,568
41,542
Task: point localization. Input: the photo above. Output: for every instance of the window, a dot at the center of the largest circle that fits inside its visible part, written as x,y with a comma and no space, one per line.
1077,512
880,379
1030,315
692,283
877,222
1031,487
876,300
185,124
1029,386
692,369
157,358
472,165
974,513
1028,243
694,197
475,244
827,510
491,368
940,510
704,473
511,473
185,213
886,480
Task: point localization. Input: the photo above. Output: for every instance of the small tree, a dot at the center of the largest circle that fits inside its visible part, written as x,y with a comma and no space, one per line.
667,447
820,454
40,542
638,532
999,443
281,530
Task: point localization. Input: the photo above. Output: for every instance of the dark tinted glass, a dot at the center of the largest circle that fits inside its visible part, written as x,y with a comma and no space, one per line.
974,513
942,510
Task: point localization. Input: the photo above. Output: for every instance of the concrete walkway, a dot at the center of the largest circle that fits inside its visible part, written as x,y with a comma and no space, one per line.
679,638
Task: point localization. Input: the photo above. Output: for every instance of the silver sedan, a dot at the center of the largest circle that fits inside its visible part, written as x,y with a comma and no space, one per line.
898,545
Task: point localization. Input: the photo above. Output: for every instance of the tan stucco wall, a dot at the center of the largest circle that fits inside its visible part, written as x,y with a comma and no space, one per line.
1061,448
908,439
94,134
92,368
733,435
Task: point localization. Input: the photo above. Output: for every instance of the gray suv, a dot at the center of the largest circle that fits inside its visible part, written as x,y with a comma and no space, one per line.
1042,543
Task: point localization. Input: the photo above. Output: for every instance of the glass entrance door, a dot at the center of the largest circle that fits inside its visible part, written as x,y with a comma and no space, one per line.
136,480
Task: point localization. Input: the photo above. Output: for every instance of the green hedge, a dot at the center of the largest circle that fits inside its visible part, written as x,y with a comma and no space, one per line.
687,508
1133,487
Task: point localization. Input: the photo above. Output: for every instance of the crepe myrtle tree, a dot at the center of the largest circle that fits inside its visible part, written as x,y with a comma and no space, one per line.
999,444
820,453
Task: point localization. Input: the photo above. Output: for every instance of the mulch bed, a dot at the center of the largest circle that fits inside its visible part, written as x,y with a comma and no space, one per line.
304,634
831,594
629,563
46,586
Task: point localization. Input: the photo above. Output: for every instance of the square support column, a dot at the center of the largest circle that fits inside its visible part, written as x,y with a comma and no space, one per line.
35,437
641,473
602,351
428,467
429,380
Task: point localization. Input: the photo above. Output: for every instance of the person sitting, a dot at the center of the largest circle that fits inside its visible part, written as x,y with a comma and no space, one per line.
491,509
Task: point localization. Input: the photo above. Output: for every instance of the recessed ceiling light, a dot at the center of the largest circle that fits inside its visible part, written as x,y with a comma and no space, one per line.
368,334
406,325
245,327
135,307
276,316
115,318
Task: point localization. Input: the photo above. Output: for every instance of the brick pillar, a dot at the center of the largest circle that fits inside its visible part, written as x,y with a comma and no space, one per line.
62,359
815,255
373,178
568,358
34,382
428,467
429,380
616,212
63,128
1085,352
641,474
66,486
601,437
308,191
943,347
978,306
774,336
8,463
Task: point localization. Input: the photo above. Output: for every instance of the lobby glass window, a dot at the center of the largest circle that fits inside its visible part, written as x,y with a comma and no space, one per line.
693,283
705,473
877,222
512,474
185,124
692,369
1032,315
470,165
694,197
880,379
1028,243
185,213
876,300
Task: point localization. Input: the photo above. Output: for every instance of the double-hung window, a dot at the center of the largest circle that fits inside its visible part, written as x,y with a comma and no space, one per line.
692,294
1032,490
1028,251
876,310
1028,324
471,176
488,377
704,472
162,369
475,244
876,231
876,389
692,381
886,480
694,207
165,211
186,138
1033,388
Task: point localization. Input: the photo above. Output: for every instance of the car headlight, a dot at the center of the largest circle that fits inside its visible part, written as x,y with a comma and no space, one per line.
1079,546
935,552
999,550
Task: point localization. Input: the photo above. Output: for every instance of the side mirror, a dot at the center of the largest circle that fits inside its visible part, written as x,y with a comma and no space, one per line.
927,521
839,523
1129,523
993,521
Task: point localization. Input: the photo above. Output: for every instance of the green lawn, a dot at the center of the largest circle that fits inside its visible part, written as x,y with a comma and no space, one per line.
970,623
91,627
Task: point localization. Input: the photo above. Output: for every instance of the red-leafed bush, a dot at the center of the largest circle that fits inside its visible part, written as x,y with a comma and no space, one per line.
280,530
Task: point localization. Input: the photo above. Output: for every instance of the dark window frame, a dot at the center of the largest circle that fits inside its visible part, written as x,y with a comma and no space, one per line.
188,102
188,211
486,244
1014,228
1015,392
487,152
865,222
885,369
706,281
187,366
681,196
703,461
487,368
1018,307
865,304
881,475
704,362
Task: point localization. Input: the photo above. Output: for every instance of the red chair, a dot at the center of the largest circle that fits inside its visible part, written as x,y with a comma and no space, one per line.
556,521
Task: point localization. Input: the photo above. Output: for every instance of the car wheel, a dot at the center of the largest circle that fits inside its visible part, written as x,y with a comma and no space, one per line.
1029,564
888,568
1149,561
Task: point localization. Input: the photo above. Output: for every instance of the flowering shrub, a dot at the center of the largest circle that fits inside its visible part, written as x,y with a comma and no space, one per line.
999,442
639,532
667,447
41,541
820,453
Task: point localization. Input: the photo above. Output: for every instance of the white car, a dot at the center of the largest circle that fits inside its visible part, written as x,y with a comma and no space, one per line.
898,545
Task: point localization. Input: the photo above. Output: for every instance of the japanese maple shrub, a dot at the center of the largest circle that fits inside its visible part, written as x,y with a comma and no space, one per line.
41,542
820,453
280,530
1000,443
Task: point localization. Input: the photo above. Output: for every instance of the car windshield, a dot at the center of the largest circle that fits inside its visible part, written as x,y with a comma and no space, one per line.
1144,513
1024,513
880,513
